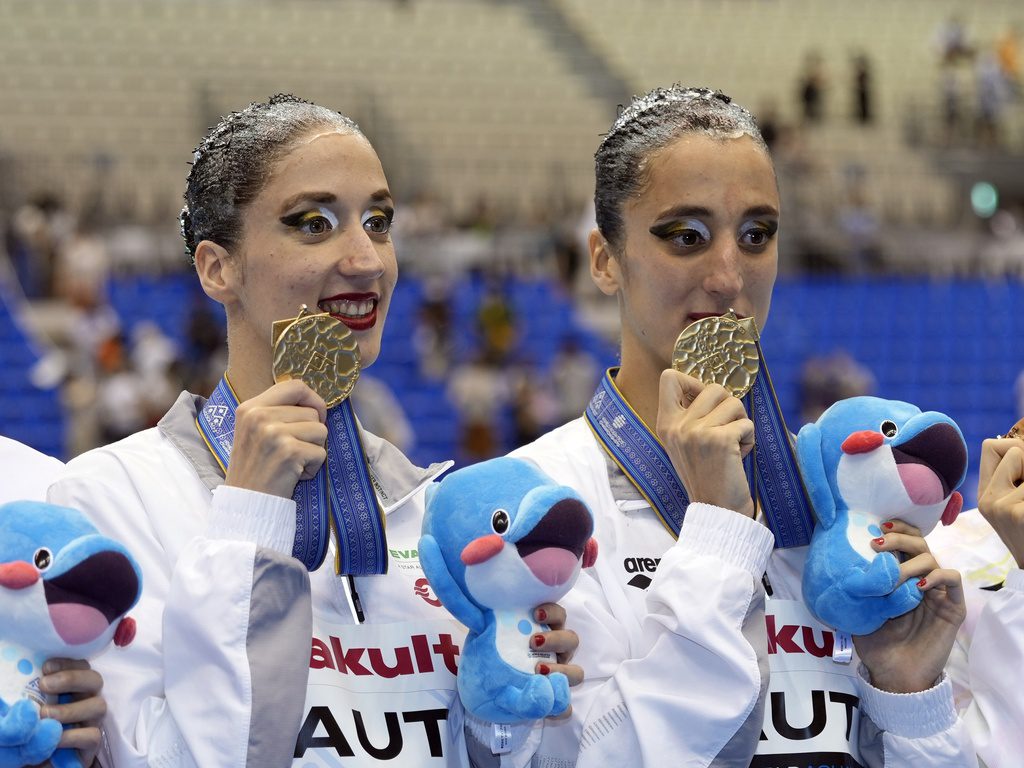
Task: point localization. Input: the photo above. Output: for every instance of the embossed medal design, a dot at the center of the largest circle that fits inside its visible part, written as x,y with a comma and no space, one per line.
721,350
320,350
1017,430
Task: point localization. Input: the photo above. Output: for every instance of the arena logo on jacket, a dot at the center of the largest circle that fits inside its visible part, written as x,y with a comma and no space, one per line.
381,692
811,710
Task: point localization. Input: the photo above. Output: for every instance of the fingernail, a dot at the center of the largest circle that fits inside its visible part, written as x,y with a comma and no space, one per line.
538,641
921,583
50,667
887,526
544,669
542,615
879,541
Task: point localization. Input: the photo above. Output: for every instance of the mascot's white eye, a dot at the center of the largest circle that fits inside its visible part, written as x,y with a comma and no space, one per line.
499,521
43,558
889,428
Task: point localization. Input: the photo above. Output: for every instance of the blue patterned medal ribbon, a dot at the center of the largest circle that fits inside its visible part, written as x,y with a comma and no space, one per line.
780,490
341,494
625,437
770,468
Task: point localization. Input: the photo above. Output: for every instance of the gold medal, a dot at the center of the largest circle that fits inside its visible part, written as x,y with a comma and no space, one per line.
1017,430
720,350
320,350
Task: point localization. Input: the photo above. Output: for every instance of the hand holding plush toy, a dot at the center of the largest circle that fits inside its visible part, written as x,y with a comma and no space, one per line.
500,538
64,590
864,462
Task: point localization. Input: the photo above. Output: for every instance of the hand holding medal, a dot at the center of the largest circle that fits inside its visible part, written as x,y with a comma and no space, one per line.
701,421
302,441
725,354
1001,488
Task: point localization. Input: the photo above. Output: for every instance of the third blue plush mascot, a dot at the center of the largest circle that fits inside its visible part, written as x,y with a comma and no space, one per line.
499,538
864,462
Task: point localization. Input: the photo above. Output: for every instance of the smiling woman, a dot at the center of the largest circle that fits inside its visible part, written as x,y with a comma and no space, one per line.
281,615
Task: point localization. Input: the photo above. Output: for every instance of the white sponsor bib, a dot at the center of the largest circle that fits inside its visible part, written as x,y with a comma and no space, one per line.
382,694
811,716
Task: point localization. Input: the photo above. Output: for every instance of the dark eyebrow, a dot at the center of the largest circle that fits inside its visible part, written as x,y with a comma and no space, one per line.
698,210
315,197
379,196
762,210
684,210
382,195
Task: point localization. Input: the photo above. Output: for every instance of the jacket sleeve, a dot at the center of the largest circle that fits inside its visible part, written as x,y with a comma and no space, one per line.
899,729
691,687
217,672
995,660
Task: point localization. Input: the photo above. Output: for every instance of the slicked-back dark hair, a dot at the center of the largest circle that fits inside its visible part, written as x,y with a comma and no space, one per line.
650,123
232,163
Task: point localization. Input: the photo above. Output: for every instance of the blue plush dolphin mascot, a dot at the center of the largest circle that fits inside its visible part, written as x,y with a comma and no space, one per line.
865,461
499,538
64,589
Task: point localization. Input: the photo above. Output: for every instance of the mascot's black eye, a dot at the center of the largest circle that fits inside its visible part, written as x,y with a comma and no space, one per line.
889,428
499,521
43,558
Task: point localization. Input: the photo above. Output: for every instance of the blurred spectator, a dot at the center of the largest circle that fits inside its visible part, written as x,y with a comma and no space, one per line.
496,321
82,262
1008,55
811,87
951,41
38,229
156,361
574,374
826,380
205,351
432,336
993,94
860,226
768,122
863,90
120,393
480,392
535,409
380,412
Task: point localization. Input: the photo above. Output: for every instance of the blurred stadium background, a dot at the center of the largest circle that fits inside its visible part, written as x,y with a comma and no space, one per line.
897,129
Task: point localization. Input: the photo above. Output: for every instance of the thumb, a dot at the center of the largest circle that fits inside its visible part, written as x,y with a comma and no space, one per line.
1009,473
677,390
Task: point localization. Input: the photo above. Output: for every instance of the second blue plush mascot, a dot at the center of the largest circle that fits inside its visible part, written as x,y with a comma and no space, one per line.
499,538
864,462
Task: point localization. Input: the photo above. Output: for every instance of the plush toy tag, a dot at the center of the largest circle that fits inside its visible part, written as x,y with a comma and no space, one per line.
842,651
501,739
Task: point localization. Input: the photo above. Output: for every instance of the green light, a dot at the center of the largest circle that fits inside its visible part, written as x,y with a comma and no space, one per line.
984,199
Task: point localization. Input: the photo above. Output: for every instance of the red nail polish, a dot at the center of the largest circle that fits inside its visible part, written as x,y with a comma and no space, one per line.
887,526
544,669
542,615
922,582
538,641
879,541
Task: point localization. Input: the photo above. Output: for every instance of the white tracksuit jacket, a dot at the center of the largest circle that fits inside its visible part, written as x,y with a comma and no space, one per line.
223,671
25,473
673,640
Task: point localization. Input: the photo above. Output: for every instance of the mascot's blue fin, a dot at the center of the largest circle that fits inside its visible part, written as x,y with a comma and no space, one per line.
878,579
812,470
444,585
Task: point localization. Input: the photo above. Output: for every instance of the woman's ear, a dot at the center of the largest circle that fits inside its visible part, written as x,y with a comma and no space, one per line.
605,270
218,274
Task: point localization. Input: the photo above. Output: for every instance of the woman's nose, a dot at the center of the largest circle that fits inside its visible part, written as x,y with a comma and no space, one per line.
361,256
724,277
